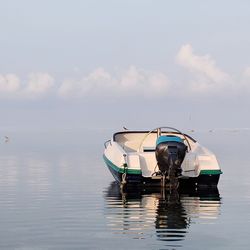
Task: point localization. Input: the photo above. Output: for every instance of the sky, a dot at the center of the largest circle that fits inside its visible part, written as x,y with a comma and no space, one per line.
134,63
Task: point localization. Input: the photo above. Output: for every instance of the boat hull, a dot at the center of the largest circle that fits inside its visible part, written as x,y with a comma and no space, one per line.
202,181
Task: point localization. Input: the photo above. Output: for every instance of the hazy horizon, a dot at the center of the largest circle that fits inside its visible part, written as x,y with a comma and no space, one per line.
140,64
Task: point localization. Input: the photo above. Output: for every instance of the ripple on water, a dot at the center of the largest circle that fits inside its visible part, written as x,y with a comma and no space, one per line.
50,204
163,216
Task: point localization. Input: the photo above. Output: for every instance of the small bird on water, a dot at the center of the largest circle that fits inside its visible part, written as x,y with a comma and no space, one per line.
7,139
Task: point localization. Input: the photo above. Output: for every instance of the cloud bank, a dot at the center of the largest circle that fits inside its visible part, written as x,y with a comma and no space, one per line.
129,82
36,86
39,84
204,78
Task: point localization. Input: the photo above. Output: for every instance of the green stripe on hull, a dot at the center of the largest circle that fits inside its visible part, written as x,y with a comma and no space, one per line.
138,172
212,172
120,170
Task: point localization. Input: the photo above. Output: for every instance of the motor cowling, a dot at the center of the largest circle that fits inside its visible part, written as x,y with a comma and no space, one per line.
170,152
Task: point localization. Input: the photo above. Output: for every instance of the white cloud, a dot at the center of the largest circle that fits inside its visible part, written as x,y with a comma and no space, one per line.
94,82
38,84
246,72
9,84
207,77
130,82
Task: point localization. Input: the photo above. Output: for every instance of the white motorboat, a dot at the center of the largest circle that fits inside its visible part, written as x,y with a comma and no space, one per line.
162,156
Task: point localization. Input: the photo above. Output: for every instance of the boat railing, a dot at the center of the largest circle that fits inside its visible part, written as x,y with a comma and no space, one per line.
106,143
159,131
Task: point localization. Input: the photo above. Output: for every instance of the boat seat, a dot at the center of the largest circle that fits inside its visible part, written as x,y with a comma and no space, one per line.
130,146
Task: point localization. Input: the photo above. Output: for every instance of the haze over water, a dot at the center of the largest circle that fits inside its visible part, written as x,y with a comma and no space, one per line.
56,193
74,72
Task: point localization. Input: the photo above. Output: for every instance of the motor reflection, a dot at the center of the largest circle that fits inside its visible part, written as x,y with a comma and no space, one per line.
154,212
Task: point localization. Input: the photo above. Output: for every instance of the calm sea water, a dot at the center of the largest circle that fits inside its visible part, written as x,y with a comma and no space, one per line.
56,193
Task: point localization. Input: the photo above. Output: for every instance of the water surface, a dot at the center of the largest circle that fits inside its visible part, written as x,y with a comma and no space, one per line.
56,193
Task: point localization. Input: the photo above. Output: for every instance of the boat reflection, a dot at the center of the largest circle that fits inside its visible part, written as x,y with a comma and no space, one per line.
145,213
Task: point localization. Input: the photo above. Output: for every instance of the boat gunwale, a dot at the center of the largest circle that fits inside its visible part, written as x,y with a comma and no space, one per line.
146,131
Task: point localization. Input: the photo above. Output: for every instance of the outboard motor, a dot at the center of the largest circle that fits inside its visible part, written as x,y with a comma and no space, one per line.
170,152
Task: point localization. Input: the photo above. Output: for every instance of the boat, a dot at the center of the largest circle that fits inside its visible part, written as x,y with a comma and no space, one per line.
163,156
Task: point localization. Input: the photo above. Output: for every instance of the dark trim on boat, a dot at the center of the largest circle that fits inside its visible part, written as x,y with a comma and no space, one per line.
130,178
144,132
136,192
203,180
